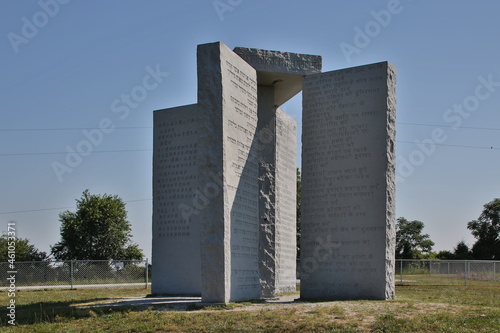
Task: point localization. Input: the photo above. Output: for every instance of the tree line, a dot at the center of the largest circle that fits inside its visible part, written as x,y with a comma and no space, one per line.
412,243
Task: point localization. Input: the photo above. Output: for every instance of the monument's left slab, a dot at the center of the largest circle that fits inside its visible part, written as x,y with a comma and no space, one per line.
177,202
228,156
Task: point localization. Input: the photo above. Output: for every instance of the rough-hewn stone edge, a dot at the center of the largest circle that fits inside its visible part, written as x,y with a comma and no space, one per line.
267,191
215,280
391,182
280,62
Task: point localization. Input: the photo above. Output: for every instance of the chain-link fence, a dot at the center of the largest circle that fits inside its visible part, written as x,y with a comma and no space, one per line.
447,272
76,274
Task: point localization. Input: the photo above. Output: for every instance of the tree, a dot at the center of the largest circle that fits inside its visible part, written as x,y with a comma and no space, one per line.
24,251
486,229
445,255
410,242
299,198
98,230
462,251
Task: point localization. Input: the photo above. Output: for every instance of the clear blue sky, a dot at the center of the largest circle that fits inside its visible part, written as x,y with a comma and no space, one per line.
65,68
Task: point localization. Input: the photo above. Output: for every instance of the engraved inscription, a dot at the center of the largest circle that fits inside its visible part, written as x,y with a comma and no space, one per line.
240,121
175,173
344,160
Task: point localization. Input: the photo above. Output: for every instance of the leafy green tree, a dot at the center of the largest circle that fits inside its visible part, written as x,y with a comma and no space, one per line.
462,252
98,230
299,199
486,230
410,242
24,251
445,255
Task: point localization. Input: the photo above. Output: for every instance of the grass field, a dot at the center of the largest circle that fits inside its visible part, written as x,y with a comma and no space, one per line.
445,280
417,308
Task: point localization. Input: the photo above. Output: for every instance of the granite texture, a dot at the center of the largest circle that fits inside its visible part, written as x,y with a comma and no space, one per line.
277,199
282,70
348,234
280,62
176,202
224,180
286,201
227,100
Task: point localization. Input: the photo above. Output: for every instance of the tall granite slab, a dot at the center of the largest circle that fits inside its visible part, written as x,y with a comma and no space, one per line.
279,78
277,200
286,200
348,184
266,125
228,155
177,202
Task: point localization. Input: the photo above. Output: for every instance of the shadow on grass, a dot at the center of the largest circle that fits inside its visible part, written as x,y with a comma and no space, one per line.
50,312
221,306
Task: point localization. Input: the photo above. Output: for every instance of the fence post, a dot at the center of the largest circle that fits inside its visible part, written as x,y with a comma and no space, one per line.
147,273
401,269
71,269
494,271
465,272
468,269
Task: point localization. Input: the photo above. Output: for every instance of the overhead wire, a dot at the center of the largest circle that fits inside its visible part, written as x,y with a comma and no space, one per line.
57,208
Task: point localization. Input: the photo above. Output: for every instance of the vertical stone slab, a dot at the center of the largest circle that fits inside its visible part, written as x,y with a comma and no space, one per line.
348,184
286,198
266,126
227,99
176,237
277,196
277,186
279,77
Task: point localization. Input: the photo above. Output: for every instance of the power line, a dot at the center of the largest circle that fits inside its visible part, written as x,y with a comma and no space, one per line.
33,210
63,153
457,146
146,150
151,127
449,126
47,209
69,129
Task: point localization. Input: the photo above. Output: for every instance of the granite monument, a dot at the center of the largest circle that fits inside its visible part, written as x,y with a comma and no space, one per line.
224,180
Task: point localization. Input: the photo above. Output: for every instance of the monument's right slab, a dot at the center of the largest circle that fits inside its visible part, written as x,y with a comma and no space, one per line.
348,184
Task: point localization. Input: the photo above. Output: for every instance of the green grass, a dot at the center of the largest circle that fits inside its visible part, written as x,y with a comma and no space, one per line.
65,284
484,296
445,280
416,309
